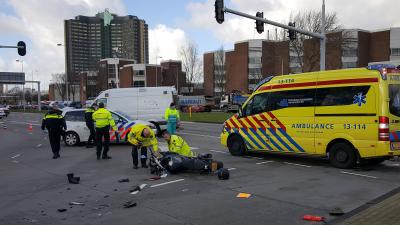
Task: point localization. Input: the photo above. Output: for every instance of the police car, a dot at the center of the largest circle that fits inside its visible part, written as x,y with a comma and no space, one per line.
77,131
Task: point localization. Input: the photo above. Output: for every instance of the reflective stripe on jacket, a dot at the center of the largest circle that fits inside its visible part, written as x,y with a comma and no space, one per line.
171,115
103,118
178,145
135,137
53,120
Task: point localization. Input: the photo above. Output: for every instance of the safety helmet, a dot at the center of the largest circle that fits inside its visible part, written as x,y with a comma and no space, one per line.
223,174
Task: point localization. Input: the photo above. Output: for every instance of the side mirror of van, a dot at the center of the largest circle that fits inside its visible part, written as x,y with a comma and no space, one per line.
240,113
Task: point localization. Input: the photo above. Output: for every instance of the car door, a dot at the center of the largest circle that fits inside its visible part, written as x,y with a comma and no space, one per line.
75,121
115,136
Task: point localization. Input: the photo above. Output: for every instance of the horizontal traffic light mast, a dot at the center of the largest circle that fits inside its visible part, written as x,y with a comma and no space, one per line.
220,9
20,46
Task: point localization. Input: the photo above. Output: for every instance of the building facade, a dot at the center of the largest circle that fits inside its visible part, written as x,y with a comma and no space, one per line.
252,60
106,35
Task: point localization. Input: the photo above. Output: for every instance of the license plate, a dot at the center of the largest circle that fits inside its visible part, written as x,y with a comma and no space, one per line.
395,146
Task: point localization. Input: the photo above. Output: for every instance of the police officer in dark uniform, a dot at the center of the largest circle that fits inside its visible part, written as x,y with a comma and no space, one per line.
90,125
54,122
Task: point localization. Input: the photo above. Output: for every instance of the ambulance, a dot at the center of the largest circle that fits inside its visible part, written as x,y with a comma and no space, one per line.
348,116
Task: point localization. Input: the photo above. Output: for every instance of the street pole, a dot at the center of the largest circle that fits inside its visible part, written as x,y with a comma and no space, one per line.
177,80
323,40
39,103
156,71
66,75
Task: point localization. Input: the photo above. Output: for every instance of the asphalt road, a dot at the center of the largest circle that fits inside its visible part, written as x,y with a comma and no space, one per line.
283,188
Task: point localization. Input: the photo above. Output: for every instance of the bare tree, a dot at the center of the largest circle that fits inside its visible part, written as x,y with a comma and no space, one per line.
220,75
59,81
191,64
311,21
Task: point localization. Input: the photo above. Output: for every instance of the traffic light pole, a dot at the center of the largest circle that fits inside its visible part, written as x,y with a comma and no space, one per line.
320,36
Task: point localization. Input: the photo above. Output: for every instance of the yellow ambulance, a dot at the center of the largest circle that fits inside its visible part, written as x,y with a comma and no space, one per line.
348,115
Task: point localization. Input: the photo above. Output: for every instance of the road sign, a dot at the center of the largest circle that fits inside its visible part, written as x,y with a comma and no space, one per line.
12,78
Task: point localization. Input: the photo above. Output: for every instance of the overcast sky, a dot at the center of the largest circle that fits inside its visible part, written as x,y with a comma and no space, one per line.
171,22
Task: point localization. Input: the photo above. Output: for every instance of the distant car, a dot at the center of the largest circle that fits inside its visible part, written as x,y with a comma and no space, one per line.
77,131
5,109
2,114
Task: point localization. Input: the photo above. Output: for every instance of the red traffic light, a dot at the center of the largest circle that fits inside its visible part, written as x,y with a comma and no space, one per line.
21,48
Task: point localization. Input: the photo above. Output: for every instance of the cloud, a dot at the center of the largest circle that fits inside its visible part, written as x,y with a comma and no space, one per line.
165,42
364,14
42,23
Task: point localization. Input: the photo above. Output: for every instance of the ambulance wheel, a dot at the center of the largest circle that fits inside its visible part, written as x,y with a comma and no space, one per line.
71,138
342,155
236,146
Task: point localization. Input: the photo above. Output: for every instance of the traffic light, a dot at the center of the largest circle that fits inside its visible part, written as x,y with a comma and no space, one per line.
260,24
292,34
21,48
219,11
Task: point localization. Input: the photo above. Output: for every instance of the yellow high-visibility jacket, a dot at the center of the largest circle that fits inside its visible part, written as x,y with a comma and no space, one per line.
103,118
135,137
171,115
178,145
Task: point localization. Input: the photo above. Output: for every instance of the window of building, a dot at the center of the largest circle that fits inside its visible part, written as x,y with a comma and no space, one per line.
350,52
395,51
339,95
139,72
349,65
138,84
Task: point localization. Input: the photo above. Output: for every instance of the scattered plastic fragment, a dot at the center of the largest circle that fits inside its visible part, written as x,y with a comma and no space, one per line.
129,204
154,178
243,195
76,203
136,189
124,180
336,212
313,218
61,210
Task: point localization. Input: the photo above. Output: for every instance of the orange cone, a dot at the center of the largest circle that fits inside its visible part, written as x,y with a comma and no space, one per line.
30,128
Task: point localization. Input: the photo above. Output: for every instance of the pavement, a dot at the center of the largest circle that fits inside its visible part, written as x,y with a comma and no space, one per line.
283,188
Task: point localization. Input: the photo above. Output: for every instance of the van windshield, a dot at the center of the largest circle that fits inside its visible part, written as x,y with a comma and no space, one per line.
394,96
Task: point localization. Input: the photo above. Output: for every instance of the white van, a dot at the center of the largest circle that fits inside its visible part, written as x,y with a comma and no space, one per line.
144,103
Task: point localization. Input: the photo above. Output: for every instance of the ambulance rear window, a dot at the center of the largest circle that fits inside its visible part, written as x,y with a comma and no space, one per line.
339,95
394,96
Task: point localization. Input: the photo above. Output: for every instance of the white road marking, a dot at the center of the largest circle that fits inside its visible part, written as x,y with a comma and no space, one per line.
16,156
15,161
232,169
218,151
357,174
201,135
259,163
169,182
295,164
194,148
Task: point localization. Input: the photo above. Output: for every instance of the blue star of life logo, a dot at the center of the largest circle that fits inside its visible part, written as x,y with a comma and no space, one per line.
283,103
359,99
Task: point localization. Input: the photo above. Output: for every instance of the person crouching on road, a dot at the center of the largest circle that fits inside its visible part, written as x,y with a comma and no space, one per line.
177,144
141,137
54,122
103,119
172,117
90,125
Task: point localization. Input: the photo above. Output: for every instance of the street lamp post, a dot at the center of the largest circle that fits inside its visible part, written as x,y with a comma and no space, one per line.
23,86
66,76
157,57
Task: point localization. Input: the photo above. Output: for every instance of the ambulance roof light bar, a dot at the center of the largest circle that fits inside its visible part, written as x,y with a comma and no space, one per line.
382,68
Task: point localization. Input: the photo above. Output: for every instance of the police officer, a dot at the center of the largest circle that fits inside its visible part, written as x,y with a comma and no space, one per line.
177,144
141,136
54,122
104,121
90,125
172,117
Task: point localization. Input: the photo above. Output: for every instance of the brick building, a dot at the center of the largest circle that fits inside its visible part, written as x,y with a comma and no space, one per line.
252,60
